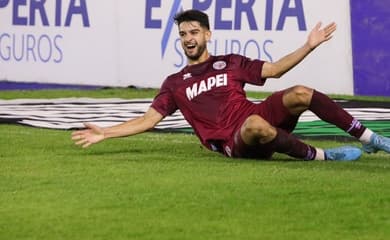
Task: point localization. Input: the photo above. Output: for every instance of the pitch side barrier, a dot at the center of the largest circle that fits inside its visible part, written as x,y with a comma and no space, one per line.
71,113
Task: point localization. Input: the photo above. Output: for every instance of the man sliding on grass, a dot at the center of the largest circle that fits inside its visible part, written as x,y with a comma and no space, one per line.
209,92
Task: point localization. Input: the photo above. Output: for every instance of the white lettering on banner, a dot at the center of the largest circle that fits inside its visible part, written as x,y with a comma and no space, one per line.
216,81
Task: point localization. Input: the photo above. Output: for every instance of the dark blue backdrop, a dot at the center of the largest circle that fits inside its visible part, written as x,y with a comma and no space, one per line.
371,46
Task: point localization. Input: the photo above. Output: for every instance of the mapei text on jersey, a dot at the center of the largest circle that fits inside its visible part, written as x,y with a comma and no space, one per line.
206,85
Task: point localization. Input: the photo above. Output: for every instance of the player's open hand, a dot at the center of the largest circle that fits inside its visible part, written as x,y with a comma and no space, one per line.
319,35
92,134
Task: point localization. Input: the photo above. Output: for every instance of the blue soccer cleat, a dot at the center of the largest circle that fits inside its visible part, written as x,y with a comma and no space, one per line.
377,143
346,153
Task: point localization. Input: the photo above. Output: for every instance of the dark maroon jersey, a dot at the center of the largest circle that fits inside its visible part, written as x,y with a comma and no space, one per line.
211,97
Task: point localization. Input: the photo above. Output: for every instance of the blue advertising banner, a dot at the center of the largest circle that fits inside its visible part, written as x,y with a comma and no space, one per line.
371,48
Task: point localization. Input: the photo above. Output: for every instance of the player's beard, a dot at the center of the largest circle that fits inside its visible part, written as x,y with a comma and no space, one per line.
197,52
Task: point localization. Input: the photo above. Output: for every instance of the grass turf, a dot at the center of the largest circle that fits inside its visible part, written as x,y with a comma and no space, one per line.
165,186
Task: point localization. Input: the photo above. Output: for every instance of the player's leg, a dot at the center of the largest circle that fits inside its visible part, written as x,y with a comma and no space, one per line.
257,138
282,109
329,111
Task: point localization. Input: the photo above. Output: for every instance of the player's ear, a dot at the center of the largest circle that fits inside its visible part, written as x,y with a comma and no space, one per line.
208,35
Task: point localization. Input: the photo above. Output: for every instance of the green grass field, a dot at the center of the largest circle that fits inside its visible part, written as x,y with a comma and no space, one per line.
166,186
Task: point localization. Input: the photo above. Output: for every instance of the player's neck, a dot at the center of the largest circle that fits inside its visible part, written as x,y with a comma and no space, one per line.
201,59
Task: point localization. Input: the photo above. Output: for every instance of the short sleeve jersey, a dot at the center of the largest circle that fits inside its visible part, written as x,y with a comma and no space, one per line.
211,95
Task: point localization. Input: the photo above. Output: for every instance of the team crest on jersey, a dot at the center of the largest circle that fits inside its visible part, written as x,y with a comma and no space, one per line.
219,65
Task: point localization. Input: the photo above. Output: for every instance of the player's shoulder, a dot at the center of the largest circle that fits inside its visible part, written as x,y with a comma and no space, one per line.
175,76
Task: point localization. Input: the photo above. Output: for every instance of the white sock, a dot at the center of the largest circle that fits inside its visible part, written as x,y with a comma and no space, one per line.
320,155
366,136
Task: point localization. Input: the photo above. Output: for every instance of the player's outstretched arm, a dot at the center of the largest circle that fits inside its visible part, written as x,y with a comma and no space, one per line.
95,134
316,37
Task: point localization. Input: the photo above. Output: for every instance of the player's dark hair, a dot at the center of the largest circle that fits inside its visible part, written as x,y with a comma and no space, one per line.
193,15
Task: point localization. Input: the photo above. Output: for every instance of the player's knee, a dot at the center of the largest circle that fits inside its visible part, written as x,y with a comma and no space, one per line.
297,99
257,129
301,94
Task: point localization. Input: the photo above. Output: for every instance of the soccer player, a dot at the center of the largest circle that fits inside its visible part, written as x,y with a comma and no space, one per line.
209,93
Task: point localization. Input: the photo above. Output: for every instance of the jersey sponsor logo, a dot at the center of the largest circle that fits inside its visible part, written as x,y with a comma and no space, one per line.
219,65
206,85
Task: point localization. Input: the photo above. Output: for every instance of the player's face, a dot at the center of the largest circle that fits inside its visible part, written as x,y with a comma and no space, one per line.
194,40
